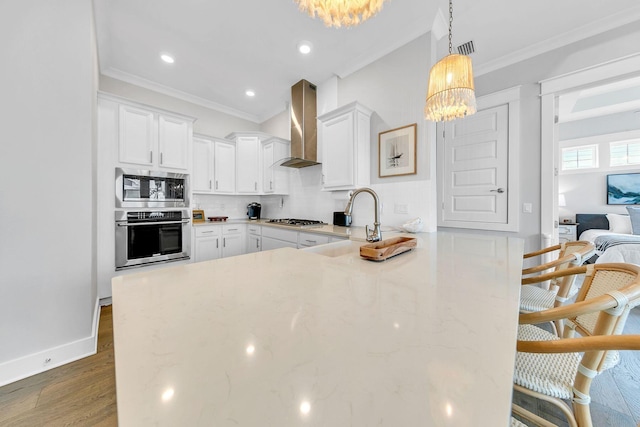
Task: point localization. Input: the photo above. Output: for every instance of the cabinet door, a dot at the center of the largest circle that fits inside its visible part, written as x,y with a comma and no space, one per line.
232,245
202,177
267,168
247,165
207,247
136,135
173,141
268,244
253,243
338,156
224,167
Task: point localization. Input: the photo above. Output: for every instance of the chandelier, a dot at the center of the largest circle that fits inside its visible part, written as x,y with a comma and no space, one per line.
451,91
338,13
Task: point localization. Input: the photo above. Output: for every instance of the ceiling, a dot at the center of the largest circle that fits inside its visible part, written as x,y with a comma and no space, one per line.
224,47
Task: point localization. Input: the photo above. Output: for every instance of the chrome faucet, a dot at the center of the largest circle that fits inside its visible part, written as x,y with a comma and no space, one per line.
374,235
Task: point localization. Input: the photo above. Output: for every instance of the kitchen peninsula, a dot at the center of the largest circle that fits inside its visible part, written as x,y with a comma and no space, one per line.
289,337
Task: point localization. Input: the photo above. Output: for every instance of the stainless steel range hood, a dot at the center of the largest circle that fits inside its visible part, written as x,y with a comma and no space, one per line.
304,138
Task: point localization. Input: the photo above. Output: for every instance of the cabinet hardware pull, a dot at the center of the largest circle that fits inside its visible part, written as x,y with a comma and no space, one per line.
257,244
150,156
161,162
207,232
224,242
255,187
232,229
209,184
270,185
499,190
217,241
216,184
310,241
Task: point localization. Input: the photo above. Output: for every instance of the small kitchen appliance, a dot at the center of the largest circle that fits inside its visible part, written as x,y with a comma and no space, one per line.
253,210
339,218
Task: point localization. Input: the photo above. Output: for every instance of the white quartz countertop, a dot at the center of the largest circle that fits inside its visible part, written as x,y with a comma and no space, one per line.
293,338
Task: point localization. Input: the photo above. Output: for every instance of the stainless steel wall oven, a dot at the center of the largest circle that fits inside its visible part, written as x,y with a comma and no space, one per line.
151,189
146,237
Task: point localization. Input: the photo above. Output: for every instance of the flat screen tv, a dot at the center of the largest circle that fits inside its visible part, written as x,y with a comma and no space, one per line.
623,189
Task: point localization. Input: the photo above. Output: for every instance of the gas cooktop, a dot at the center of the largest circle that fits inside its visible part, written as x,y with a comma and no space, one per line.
294,222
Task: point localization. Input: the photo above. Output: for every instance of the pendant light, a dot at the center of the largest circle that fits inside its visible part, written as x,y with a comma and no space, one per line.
338,13
451,92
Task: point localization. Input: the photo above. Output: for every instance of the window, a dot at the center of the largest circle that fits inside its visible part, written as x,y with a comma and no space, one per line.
623,153
583,157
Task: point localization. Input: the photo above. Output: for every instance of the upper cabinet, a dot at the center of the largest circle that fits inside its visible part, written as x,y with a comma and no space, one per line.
152,138
214,165
248,165
258,159
275,178
345,135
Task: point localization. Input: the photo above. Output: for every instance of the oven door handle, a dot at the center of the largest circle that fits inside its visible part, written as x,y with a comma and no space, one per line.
135,224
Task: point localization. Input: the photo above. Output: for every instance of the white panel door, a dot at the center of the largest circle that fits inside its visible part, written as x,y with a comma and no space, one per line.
173,141
202,177
476,155
337,152
136,136
224,167
247,165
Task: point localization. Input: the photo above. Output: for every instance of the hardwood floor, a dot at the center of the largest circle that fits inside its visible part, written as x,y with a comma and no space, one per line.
83,393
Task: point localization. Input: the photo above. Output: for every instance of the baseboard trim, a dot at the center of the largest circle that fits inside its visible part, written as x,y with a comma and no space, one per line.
17,369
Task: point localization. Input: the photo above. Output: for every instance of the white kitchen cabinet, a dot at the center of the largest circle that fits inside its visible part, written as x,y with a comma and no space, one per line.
248,165
233,240
306,240
207,243
276,238
154,139
224,169
345,135
254,238
213,165
275,178
202,176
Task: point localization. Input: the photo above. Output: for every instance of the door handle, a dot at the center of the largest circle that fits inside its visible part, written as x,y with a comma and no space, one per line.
499,190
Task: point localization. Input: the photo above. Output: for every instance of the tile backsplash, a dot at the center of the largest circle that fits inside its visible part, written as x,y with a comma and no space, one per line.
306,200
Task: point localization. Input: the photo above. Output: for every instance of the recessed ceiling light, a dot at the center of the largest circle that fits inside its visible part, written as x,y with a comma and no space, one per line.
250,93
304,47
167,58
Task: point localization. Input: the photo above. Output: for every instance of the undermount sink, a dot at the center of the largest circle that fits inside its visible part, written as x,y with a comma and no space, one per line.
336,249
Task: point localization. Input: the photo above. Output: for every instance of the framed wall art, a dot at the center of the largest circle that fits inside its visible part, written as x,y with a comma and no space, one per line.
397,151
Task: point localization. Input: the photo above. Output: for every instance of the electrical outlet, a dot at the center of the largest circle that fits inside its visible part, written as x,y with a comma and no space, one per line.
527,208
401,208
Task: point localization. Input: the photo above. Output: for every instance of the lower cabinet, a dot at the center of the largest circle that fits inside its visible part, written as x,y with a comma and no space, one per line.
276,238
233,241
207,243
254,238
306,240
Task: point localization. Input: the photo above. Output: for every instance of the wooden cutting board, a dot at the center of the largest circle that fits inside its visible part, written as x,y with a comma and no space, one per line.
385,249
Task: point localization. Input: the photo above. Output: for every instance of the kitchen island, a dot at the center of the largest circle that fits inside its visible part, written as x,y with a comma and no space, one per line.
292,338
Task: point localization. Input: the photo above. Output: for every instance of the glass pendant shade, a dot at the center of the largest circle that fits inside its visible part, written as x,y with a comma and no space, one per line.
451,93
338,13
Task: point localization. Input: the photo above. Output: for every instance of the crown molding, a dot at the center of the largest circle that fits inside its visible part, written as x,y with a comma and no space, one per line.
580,33
184,96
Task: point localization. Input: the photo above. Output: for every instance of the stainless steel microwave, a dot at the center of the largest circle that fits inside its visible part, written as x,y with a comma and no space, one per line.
151,189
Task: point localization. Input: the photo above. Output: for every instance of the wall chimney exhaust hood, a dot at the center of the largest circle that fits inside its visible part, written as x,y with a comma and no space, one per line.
304,136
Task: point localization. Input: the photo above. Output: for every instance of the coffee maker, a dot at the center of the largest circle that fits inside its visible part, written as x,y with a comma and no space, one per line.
253,210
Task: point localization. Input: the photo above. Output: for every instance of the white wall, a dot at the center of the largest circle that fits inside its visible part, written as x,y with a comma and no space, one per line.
209,122
47,277
613,44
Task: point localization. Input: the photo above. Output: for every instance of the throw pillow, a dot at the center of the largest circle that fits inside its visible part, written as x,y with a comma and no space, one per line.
621,223
634,214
